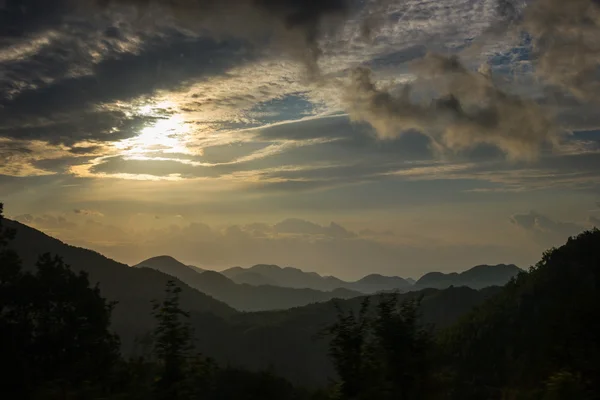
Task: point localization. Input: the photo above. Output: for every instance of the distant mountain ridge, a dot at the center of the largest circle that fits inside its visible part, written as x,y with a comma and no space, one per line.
288,340
241,295
477,277
265,274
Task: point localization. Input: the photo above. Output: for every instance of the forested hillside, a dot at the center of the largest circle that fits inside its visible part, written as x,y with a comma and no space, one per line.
536,338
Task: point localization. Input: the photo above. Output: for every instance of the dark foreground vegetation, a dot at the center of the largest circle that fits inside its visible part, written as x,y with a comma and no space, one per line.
536,338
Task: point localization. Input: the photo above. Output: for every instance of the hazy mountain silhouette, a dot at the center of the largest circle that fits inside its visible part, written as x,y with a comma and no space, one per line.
168,265
263,274
243,296
477,277
375,282
132,288
287,340
286,277
241,275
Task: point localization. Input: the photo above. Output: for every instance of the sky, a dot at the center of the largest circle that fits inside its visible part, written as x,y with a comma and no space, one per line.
345,137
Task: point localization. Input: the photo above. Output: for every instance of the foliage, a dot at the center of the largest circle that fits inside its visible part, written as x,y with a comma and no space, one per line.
535,339
382,356
542,324
54,328
172,342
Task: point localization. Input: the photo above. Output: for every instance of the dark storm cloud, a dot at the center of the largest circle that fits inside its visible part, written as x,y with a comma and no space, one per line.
566,38
19,17
73,128
159,168
471,110
296,25
65,110
59,165
162,62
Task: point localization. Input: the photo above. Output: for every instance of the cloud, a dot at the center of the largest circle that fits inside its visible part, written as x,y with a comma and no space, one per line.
303,227
49,223
25,218
566,39
594,221
295,26
75,107
470,111
91,213
546,229
330,249
91,83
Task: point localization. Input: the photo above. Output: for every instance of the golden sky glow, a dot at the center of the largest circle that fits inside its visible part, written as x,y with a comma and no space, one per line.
433,143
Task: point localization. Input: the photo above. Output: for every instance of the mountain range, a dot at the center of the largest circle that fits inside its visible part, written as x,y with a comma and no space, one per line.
132,288
241,295
263,274
477,277
254,340
265,287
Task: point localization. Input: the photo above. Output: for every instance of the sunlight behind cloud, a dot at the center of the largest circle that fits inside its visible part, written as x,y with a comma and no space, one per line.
165,135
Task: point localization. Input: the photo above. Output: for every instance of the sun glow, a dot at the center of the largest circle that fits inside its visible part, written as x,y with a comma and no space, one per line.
168,135
165,134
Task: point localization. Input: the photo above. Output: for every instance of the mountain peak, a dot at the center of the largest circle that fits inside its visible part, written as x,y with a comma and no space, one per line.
160,261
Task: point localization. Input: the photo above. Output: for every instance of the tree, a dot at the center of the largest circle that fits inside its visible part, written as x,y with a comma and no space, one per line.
403,348
540,334
54,327
172,342
384,355
349,350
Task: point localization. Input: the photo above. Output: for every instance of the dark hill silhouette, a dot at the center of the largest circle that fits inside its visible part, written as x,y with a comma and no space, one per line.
265,274
168,265
477,277
265,336
245,297
288,341
541,327
132,288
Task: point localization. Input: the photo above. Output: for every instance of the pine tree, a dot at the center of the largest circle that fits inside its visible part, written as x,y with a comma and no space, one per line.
403,348
54,328
172,343
349,351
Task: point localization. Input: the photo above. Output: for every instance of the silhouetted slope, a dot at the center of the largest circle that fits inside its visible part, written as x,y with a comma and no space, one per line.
244,297
477,277
167,264
288,341
132,288
291,341
544,325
